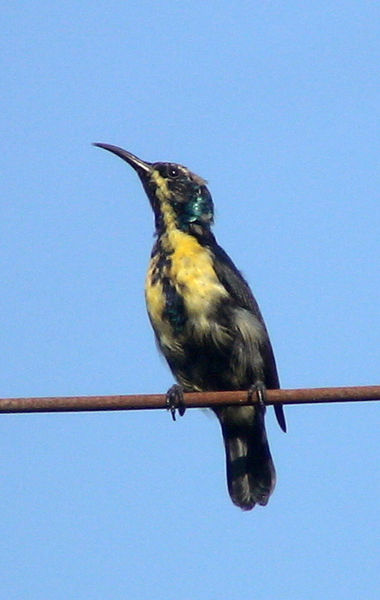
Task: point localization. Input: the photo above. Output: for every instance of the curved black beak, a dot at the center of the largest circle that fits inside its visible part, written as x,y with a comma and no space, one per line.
140,166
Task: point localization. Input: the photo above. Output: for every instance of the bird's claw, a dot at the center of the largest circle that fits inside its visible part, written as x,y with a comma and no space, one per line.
175,400
259,390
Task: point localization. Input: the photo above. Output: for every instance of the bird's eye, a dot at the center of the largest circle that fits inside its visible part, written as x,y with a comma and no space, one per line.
173,172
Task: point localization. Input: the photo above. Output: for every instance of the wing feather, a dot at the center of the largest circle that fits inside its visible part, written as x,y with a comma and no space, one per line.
240,292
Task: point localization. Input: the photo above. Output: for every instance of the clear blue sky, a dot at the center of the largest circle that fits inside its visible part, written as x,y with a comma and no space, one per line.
276,104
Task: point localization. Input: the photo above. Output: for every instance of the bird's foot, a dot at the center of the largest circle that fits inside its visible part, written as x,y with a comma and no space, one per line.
259,390
175,401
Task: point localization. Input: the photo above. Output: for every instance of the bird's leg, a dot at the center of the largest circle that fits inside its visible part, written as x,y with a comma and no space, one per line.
260,391
175,401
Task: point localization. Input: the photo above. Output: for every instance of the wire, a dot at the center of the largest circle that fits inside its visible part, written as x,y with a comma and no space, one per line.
191,400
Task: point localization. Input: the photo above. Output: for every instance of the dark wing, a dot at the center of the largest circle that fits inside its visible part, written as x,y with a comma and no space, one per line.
239,290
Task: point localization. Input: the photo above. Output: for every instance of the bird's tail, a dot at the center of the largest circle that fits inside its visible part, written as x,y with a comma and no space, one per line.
251,475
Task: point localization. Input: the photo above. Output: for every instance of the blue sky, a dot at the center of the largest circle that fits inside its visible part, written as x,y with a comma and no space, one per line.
276,105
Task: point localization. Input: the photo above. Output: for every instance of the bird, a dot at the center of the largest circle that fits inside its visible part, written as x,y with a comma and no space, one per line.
206,321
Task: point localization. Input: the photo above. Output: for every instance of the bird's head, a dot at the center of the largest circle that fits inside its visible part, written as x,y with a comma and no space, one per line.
178,197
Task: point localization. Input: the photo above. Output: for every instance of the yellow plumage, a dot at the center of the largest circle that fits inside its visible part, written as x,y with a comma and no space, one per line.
189,268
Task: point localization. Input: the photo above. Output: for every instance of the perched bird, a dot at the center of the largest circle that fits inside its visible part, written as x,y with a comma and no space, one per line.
207,322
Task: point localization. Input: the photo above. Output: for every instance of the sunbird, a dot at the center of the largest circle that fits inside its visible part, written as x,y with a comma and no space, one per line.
207,322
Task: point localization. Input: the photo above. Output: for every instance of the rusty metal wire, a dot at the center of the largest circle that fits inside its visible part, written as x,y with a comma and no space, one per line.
192,400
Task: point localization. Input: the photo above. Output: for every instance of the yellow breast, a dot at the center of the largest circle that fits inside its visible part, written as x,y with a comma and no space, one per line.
193,275
189,267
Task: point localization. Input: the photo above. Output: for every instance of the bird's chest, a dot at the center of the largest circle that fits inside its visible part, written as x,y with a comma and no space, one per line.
182,288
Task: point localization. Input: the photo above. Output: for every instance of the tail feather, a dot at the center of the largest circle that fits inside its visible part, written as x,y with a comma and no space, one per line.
251,475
